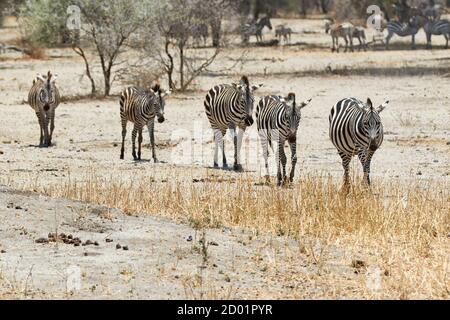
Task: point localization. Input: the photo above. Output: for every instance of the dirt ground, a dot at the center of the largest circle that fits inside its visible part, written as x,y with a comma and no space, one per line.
160,262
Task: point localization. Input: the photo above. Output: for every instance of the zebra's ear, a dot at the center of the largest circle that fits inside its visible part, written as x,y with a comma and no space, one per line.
256,87
40,77
55,76
305,103
166,93
369,103
383,106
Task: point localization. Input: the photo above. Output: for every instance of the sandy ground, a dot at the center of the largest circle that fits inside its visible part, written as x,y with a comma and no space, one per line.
164,260
162,264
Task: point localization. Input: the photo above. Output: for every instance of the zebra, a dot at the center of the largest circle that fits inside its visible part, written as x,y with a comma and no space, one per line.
199,32
440,27
343,30
277,120
44,98
255,29
356,128
360,34
405,29
282,31
230,107
140,107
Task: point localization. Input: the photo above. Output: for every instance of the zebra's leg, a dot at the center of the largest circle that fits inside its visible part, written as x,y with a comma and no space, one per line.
413,42
366,159
124,133
237,149
45,125
293,145
282,160
151,133
139,143
133,140
346,165
388,38
219,143
446,40
428,40
265,148
41,129
346,44
52,127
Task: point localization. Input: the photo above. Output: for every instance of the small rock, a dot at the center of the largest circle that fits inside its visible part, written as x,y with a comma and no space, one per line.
62,236
358,264
419,173
88,242
213,243
41,240
3,251
70,236
96,243
18,208
76,244
109,240
125,248
118,246
189,239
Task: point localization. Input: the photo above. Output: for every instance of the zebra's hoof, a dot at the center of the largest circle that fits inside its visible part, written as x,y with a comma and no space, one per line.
121,157
238,168
155,160
216,166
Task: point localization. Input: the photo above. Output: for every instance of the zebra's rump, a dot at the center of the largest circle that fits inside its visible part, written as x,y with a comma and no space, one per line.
438,28
401,29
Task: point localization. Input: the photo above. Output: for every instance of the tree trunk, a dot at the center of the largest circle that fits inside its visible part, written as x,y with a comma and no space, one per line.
81,53
181,48
216,27
107,76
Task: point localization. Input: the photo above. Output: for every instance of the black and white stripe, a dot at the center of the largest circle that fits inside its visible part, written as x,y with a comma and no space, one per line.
440,27
255,29
356,129
277,121
140,107
405,29
44,98
230,106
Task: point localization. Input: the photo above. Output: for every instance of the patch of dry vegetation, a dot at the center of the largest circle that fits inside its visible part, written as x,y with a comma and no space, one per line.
402,229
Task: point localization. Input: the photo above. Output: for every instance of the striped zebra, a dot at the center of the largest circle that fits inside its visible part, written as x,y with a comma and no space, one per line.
44,98
356,129
277,121
405,29
440,27
255,29
340,30
140,107
230,107
283,32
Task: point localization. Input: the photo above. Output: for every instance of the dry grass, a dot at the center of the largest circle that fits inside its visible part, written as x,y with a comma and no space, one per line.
401,228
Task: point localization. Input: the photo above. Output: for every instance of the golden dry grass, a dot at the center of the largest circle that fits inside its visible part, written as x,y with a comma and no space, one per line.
403,228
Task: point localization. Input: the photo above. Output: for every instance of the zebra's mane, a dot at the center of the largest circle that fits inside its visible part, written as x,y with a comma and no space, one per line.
157,89
244,79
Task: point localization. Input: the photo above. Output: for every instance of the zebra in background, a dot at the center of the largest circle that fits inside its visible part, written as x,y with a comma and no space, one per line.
356,128
230,107
440,27
342,30
360,34
255,29
140,107
277,120
44,98
199,32
405,29
283,32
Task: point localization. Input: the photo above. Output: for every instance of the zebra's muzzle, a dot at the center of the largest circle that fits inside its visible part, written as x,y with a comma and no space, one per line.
46,107
249,121
161,119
